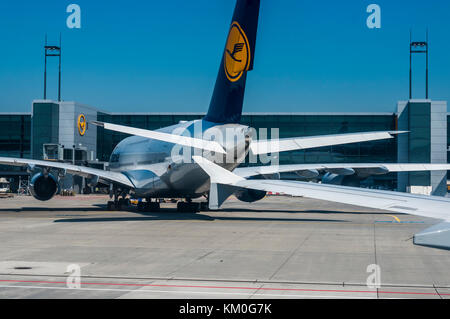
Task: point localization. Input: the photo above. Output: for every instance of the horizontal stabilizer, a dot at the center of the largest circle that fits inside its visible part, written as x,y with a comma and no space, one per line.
300,143
165,137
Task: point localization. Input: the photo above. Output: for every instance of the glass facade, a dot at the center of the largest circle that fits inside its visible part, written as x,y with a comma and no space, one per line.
16,131
289,126
107,140
323,124
448,139
15,135
419,140
45,128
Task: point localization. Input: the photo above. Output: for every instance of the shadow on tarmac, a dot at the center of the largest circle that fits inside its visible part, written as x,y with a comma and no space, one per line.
51,209
159,216
309,211
172,214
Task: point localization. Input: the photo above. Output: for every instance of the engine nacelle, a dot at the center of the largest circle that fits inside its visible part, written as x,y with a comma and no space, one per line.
43,187
334,179
249,195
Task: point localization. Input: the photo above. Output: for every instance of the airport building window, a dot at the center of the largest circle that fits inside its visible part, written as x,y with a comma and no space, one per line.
289,125
419,140
68,154
45,126
15,134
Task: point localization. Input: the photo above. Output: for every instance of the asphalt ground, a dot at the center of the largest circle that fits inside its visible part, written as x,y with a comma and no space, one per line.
280,247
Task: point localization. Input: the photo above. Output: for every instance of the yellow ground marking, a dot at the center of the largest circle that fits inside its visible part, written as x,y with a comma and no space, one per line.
395,217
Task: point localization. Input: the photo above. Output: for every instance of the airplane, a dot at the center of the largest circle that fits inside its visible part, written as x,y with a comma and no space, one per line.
159,164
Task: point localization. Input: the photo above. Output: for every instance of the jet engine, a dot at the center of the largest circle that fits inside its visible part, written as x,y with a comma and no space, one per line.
249,195
43,186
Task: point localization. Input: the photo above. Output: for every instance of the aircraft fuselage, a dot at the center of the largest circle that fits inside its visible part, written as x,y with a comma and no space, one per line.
166,170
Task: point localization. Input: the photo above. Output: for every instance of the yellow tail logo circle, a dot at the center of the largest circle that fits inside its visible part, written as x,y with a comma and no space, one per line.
237,53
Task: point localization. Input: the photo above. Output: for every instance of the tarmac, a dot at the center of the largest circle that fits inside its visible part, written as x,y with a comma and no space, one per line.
279,247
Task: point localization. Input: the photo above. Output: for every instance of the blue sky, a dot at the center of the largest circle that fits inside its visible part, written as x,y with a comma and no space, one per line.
159,56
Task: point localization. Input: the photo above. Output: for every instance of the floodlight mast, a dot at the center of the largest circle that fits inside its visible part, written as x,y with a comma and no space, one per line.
420,47
52,51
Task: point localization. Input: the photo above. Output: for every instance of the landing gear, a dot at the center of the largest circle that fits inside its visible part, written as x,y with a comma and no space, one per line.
188,207
204,206
120,198
152,207
111,206
148,206
118,204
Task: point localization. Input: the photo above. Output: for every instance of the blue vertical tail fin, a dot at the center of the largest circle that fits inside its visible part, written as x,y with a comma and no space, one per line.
237,60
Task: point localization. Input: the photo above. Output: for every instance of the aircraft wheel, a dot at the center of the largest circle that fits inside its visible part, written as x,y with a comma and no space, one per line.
204,206
141,206
124,202
152,207
194,207
111,206
185,207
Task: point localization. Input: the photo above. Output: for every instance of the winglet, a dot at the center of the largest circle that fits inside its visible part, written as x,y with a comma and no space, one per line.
222,182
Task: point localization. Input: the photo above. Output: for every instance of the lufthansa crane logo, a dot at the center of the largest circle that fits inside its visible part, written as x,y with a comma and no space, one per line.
237,53
82,124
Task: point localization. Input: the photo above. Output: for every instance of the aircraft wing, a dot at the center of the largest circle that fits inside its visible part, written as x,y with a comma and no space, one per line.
427,206
300,143
165,137
224,183
312,170
105,176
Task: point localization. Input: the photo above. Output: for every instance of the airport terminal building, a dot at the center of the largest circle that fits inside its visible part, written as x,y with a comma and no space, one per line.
61,131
